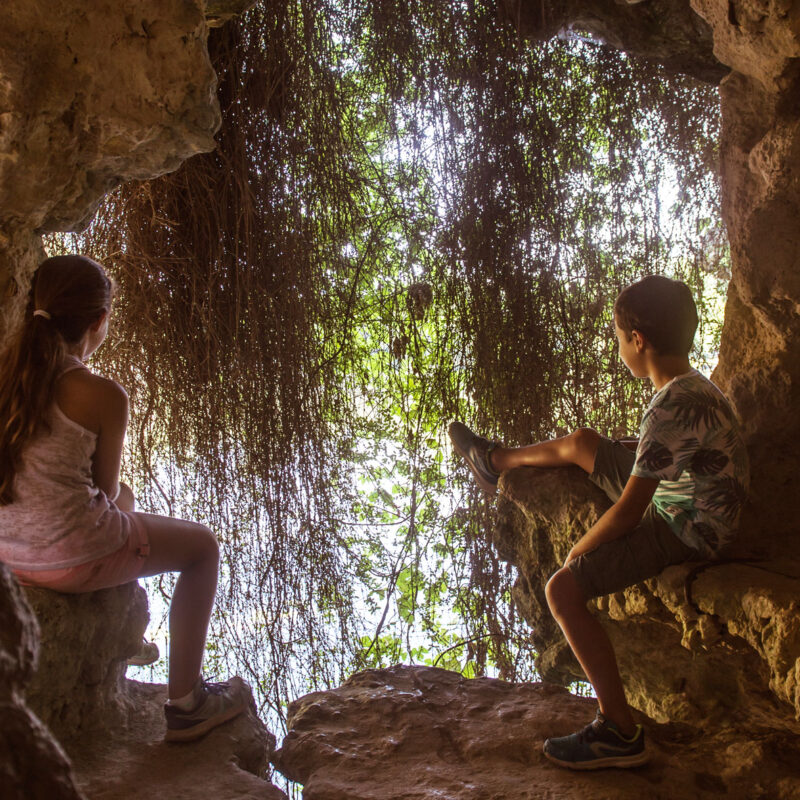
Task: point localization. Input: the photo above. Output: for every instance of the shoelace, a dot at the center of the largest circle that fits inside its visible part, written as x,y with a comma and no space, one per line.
589,733
214,687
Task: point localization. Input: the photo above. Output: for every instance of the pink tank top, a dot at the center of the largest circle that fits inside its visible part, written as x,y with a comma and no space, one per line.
59,518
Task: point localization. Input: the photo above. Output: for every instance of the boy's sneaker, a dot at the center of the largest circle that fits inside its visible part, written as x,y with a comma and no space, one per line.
146,655
215,703
598,745
475,450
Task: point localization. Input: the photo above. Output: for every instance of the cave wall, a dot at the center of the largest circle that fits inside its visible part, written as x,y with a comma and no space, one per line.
729,657
759,362
752,48
33,765
91,95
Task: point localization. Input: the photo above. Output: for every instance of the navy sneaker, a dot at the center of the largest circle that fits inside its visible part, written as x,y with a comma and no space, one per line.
598,745
475,450
215,703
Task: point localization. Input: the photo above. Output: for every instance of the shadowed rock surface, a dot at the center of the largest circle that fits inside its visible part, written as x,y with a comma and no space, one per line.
79,687
230,763
32,764
408,733
666,31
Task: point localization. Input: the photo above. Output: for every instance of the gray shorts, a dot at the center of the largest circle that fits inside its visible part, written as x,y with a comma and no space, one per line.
643,553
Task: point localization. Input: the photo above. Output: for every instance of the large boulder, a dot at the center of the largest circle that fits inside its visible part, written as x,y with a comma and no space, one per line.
414,733
111,728
79,686
231,762
33,765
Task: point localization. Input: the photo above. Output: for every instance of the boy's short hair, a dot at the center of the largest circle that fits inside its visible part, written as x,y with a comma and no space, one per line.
663,310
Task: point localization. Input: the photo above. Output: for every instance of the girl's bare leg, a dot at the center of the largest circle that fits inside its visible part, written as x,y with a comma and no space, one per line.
579,447
191,549
125,500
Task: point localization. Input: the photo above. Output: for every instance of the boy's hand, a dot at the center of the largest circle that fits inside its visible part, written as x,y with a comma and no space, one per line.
620,519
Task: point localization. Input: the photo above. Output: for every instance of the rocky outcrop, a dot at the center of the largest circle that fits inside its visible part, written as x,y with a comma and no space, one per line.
760,152
230,763
93,94
409,733
79,686
32,764
738,657
666,31
112,729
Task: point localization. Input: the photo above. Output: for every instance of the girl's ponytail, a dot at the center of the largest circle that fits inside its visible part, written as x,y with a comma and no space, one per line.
68,294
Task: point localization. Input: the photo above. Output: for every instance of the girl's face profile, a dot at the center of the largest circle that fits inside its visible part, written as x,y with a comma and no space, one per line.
95,336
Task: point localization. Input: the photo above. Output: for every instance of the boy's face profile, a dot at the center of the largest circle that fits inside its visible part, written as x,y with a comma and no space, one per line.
631,351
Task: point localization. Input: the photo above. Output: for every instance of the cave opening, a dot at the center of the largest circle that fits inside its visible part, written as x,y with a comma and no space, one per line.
413,215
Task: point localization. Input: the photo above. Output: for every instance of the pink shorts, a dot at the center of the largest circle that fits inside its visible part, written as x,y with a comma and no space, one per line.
122,566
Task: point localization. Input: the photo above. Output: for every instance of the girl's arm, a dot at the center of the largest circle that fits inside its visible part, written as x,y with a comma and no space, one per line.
112,417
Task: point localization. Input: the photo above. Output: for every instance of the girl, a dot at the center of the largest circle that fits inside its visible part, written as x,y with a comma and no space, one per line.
66,522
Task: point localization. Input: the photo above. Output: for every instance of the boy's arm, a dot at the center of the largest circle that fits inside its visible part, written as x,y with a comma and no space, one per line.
621,518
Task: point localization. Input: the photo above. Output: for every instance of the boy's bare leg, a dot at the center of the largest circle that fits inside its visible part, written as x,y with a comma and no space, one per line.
591,646
579,447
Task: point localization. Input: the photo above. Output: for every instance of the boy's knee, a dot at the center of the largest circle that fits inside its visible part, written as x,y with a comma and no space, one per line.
585,440
562,592
582,447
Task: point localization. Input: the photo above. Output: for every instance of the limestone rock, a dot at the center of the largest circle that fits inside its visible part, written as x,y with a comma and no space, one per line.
32,764
19,636
740,658
754,39
86,639
420,732
230,762
666,31
111,728
218,12
760,167
93,94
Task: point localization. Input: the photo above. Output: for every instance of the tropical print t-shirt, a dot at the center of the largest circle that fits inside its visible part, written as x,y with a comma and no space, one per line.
689,439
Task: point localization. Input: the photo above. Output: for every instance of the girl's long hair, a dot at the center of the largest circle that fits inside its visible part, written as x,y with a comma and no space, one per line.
74,291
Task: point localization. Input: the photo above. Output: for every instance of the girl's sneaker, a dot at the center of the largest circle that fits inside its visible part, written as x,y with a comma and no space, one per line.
598,745
147,654
215,703
475,450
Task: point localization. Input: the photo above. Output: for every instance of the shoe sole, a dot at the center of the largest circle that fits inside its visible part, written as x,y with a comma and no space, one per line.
639,760
489,488
202,728
141,662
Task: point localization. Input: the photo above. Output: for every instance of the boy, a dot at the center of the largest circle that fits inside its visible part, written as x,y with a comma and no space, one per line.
677,498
